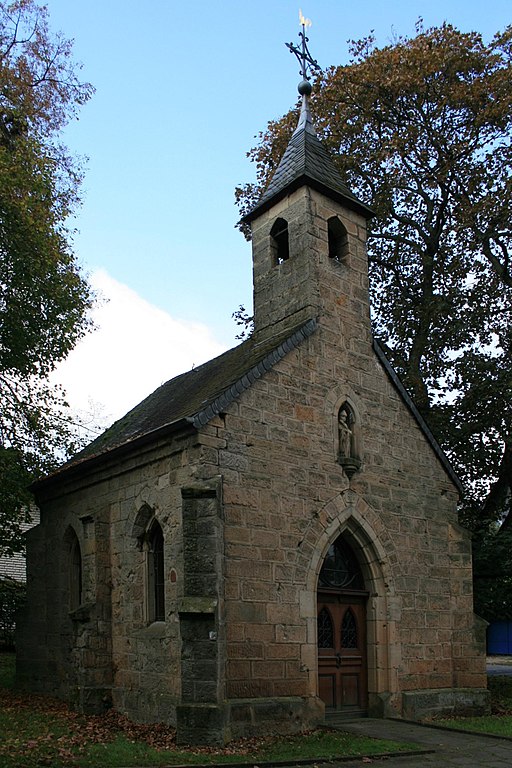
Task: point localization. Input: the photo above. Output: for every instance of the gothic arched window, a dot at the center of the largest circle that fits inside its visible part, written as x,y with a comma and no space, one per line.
280,242
75,573
325,629
338,239
155,573
349,630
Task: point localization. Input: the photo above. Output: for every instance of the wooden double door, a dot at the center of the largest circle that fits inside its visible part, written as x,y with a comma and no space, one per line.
342,668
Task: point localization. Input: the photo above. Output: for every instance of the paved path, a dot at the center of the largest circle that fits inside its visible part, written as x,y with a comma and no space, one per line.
499,665
499,669
452,749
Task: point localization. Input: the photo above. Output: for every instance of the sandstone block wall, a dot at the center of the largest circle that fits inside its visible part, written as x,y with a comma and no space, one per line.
287,498
249,506
106,652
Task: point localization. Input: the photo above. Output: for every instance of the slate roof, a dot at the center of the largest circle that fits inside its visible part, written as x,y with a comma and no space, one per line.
193,398
307,162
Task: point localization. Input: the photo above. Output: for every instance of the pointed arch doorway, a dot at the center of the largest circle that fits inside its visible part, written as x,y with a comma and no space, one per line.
341,636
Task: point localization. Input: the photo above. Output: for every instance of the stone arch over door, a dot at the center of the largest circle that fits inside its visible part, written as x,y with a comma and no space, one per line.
350,516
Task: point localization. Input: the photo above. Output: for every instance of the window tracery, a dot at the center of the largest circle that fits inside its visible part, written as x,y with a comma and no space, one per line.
325,629
349,630
340,569
149,537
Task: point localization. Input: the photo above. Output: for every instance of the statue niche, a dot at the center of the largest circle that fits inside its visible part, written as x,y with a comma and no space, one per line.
348,448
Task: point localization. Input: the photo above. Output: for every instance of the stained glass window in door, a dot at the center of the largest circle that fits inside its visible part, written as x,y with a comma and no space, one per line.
349,630
325,629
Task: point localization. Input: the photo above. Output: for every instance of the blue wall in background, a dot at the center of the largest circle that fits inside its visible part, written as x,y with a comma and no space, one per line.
499,638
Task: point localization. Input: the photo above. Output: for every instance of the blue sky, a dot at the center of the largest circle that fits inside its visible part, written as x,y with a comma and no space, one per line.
181,91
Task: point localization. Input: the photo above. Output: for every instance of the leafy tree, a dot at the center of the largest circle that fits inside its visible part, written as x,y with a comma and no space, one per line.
43,297
12,598
421,130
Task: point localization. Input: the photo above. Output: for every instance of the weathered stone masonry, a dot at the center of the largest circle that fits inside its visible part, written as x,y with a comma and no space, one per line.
239,464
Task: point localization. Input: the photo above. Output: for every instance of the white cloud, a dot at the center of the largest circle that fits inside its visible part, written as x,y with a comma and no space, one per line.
135,348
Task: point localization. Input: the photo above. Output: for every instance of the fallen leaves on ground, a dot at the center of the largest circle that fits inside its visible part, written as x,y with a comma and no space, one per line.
69,733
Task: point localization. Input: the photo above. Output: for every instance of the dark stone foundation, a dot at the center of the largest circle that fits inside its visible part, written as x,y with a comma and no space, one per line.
242,718
421,705
202,724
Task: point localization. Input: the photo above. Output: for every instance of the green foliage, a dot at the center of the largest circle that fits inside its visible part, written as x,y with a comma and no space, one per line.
496,726
493,574
15,500
500,688
244,321
12,598
421,130
44,300
7,670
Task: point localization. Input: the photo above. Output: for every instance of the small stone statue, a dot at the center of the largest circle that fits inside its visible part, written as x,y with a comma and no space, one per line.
347,441
345,433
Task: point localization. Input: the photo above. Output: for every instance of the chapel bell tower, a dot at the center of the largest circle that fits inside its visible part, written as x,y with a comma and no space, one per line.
308,232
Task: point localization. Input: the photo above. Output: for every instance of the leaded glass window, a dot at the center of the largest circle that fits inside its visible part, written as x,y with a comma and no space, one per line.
349,630
75,574
341,569
325,629
156,591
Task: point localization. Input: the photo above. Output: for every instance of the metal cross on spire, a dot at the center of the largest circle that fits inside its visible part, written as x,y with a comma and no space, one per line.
303,55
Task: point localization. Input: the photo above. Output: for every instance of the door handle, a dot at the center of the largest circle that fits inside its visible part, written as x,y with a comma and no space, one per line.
338,660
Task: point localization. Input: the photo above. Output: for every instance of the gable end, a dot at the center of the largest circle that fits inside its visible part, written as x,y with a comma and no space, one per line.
392,374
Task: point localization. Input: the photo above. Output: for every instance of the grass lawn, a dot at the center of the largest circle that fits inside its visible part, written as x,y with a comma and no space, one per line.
499,722
500,725
38,731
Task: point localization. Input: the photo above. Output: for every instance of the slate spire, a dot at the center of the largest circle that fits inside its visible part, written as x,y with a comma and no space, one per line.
306,161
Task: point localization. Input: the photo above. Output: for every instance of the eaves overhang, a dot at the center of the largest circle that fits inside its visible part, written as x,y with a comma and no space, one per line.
304,180
90,463
266,355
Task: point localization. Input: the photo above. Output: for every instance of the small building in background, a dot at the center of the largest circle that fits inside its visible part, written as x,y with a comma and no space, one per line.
13,574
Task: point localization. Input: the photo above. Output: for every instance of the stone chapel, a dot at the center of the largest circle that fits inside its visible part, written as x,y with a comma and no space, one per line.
270,539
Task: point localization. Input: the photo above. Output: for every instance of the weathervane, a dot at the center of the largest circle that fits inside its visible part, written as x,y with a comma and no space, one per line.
304,57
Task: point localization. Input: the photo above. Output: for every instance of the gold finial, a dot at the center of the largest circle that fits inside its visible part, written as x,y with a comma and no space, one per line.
303,55
303,21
